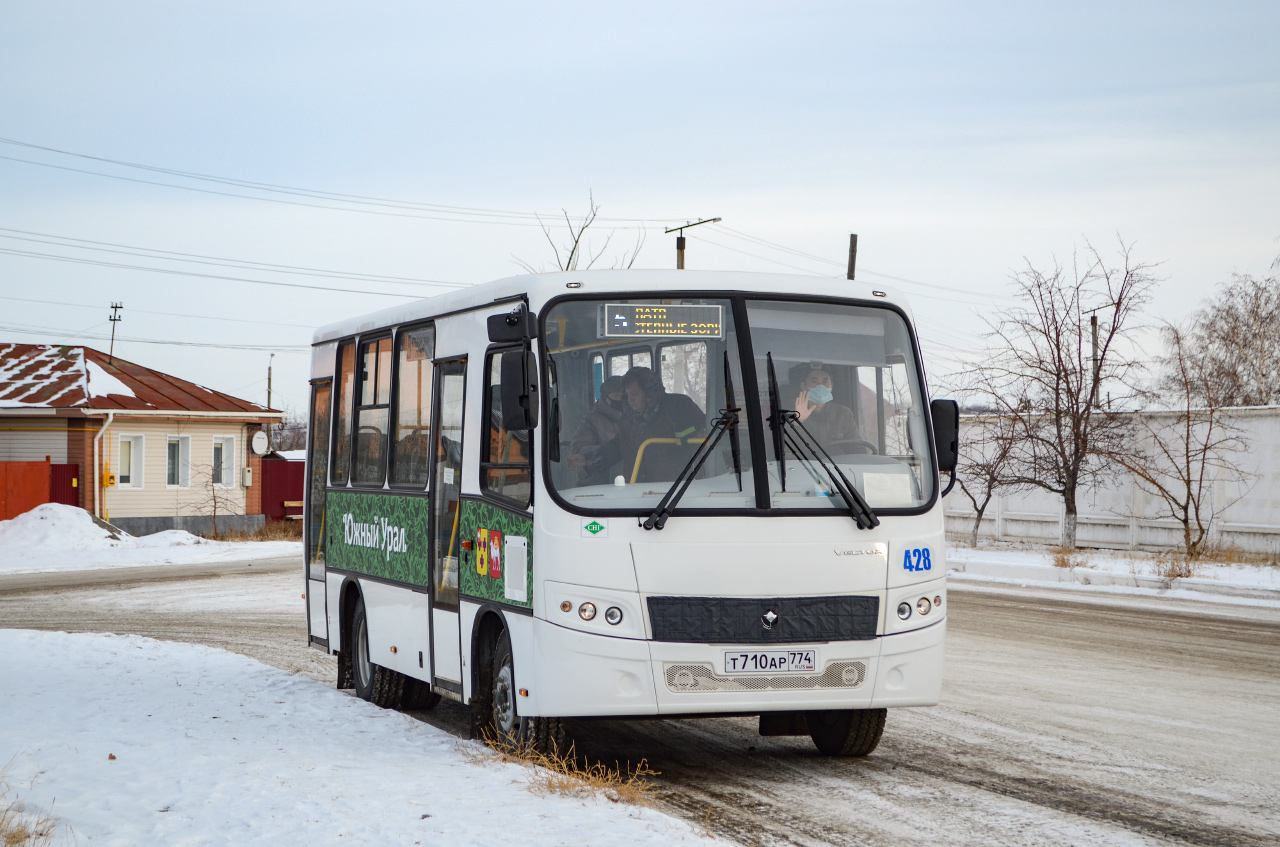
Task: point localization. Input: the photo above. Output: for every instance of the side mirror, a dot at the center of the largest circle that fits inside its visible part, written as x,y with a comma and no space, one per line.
946,434
516,325
519,391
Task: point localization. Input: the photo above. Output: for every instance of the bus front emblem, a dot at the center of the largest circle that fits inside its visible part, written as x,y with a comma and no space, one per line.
768,619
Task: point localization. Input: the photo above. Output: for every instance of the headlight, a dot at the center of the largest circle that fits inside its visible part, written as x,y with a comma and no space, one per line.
613,615
587,611
904,610
924,606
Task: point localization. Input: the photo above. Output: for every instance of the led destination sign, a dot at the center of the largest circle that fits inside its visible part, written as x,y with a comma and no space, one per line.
627,320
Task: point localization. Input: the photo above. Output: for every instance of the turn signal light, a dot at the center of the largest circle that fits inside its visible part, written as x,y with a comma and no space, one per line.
566,606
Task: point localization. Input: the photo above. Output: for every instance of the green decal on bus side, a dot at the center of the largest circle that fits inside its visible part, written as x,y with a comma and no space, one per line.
484,569
379,535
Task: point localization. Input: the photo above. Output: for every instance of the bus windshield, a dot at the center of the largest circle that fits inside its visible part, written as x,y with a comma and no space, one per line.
635,385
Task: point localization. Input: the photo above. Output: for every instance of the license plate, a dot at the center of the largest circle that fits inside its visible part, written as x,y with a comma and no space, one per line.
770,661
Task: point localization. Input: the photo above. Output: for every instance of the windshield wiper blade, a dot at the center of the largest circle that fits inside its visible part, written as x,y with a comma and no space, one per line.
727,422
776,422
859,508
735,447
788,429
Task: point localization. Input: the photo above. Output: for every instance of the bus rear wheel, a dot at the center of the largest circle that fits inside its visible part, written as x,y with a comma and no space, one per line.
846,732
505,723
379,685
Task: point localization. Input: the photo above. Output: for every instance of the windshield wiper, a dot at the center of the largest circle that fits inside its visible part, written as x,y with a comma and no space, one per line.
788,429
728,421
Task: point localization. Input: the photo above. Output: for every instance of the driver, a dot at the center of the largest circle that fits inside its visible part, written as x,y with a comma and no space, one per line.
826,420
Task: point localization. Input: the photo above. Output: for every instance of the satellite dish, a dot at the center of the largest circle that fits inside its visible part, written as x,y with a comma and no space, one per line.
260,444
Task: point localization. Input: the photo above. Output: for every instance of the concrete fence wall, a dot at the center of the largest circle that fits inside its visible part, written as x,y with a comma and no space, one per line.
1123,516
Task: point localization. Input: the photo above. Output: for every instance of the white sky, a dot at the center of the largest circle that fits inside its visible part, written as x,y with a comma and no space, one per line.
955,140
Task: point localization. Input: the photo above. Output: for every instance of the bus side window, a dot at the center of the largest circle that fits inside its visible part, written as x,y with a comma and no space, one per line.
374,398
684,370
342,423
411,442
506,461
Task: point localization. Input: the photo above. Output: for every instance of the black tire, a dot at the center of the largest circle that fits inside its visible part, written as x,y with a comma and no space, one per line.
500,714
846,732
418,696
346,673
372,682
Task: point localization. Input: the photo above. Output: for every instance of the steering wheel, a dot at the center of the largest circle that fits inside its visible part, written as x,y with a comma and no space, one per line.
844,445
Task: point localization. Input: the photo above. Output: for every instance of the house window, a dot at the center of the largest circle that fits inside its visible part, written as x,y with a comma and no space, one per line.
224,461
129,465
506,463
178,461
373,394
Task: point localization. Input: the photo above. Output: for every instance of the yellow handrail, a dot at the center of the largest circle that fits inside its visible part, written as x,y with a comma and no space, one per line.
635,469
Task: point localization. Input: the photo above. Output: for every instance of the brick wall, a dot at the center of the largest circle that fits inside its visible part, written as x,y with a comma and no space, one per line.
253,494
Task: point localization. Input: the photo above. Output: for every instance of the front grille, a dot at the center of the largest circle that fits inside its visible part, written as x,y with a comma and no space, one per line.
740,620
684,678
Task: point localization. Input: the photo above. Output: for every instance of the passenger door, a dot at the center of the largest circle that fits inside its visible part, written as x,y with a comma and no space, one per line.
317,474
446,514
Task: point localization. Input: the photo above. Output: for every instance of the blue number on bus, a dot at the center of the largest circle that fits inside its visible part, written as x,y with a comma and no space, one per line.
917,559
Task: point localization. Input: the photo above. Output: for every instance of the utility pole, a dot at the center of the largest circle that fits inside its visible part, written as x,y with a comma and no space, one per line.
853,253
680,239
1097,365
115,319
1093,326
269,361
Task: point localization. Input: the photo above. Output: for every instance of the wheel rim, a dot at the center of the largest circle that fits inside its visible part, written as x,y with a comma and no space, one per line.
504,707
363,671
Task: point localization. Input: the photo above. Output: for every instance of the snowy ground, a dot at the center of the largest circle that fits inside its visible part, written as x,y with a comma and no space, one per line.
54,537
1137,563
136,742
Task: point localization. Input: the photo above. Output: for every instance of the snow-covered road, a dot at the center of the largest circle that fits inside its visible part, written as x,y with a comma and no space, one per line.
1067,719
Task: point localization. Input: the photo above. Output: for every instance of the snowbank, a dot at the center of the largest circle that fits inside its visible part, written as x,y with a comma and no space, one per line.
144,742
54,537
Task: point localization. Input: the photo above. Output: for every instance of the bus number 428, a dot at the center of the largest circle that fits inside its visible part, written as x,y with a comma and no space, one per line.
917,560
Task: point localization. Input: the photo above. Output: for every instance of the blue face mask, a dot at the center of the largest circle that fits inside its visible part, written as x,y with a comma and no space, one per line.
819,394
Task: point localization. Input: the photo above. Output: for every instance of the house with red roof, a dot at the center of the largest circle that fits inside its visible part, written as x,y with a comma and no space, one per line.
143,449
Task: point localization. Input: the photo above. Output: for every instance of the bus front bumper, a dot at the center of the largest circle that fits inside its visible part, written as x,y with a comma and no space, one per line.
583,675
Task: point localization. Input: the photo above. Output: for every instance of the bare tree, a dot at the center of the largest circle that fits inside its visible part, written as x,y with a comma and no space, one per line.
571,255
986,459
1041,372
1178,456
1234,343
214,498
291,432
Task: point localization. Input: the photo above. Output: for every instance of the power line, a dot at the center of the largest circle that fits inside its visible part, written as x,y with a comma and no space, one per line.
171,272
782,247
459,214
311,192
59,333
155,253
150,312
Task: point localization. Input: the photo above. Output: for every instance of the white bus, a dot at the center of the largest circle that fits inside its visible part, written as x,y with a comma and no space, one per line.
632,494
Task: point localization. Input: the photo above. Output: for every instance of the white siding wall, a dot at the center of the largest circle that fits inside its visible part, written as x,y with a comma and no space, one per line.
31,439
156,498
1121,515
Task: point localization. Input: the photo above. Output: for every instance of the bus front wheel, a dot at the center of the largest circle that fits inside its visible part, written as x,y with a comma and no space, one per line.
378,685
504,722
846,732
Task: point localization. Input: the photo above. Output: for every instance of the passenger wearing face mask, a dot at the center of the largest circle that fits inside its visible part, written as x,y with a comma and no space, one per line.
598,429
826,420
